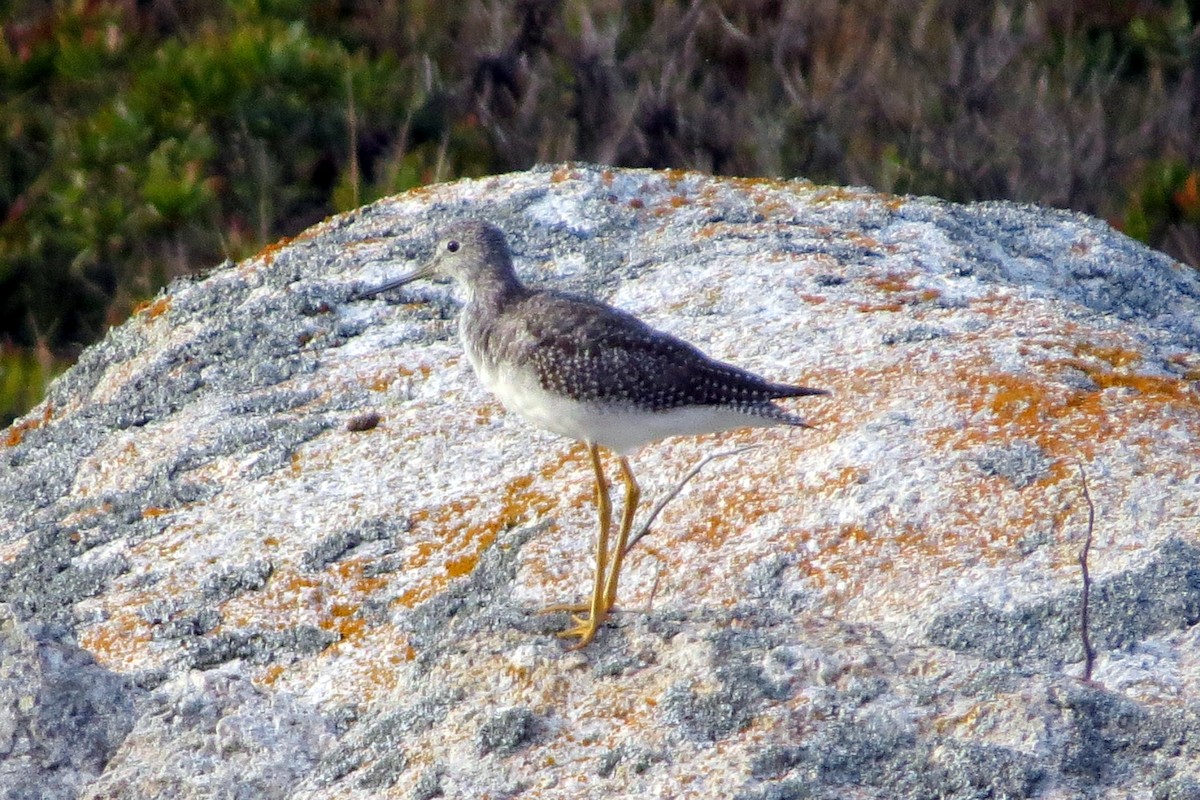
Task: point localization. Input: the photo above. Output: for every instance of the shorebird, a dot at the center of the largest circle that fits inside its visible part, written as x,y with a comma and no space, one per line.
590,372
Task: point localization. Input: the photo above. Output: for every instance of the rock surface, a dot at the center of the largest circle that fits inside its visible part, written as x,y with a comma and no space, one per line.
267,540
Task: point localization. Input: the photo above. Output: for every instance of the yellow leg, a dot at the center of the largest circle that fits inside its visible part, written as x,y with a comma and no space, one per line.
585,628
633,494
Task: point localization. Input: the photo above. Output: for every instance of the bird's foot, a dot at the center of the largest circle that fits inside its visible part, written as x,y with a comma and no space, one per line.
585,621
584,629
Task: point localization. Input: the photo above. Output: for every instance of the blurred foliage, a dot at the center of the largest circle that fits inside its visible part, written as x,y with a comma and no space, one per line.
24,374
147,140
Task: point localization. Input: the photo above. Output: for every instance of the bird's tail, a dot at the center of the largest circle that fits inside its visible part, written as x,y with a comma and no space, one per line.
787,390
773,414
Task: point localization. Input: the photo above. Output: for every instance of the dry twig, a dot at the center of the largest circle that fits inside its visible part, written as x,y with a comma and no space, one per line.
671,495
1089,652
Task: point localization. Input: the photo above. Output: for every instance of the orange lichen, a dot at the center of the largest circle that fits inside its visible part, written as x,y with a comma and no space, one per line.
847,476
448,531
839,194
676,176
352,572
870,308
773,207
969,719
415,596
154,511
462,566
731,510
382,381
575,452
838,560
118,639
1063,421
153,308
753,186
17,431
331,599
345,620
861,240
563,174
484,414
766,203
286,595
1118,357
900,284
987,407
268,253
269,675
78,516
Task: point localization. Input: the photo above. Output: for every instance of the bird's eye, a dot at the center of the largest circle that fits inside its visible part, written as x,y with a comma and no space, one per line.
452,246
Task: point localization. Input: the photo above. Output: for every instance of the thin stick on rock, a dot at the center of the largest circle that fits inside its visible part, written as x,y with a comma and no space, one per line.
1089,652
671,495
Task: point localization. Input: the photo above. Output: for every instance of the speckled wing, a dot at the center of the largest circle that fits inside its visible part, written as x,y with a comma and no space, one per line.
594,353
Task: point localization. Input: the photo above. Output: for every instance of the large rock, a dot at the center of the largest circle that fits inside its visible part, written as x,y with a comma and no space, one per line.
239,585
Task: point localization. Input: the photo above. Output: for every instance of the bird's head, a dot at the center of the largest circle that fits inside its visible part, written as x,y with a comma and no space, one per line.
473,254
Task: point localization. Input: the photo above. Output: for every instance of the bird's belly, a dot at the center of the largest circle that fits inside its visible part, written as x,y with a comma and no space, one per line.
524,396
621,428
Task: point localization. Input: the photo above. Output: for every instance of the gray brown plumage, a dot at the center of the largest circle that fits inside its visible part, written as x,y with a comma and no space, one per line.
592,372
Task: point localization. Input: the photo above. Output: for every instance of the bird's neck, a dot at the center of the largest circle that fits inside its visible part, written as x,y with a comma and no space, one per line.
490,292
482,319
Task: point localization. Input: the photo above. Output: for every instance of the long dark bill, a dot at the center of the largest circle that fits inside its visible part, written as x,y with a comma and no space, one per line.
424,272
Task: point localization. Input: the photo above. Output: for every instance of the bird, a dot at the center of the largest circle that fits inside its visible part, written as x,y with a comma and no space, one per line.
591,372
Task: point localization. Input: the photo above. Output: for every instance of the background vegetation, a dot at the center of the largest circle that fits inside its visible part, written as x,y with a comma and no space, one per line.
145,140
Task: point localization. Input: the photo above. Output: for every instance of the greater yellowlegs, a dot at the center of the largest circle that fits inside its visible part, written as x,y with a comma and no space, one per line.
588,371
